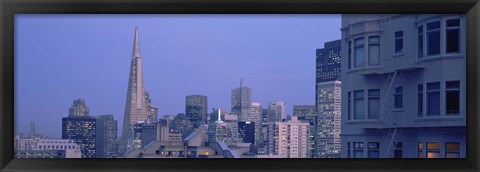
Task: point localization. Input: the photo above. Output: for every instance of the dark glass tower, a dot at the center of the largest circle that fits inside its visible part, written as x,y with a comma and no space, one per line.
196,109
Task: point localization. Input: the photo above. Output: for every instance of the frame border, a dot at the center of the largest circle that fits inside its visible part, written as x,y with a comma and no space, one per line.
8,9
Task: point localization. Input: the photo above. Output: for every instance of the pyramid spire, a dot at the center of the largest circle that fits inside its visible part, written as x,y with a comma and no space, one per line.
136,44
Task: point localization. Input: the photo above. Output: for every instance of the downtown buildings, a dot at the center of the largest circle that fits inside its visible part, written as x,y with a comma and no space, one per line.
404,83
289,139
328,100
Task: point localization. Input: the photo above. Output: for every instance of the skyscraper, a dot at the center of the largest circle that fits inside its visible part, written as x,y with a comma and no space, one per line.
327,100
136,106
196,109
242,102
276,111
308,114
246,132
79,108
107,143
289,139
81,129
152,112
257,119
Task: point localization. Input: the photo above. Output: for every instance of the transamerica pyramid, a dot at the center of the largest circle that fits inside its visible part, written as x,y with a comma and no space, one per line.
136,109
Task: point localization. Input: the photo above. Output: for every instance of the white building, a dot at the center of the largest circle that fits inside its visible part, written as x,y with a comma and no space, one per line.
37,145
257,119
328,119
290,138
403,90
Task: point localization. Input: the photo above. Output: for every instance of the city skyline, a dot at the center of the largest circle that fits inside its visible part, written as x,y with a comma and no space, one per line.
103,88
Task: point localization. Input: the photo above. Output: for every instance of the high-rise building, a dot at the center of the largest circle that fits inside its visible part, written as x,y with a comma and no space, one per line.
404,86
242,102
107,142
276,111
136,103
290,138
224,129
79,108
82,130
246,132
329,119
196,107
327,100
152,112
328,67
308,114
181,124
257,119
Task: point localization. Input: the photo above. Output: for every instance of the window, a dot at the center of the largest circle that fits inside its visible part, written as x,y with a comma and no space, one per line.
348,151
373,150
433,150
398,98
420,100
349,54
357,149
452,97
358,105
420,42
374,50
398,42
452,150
373,103
349,108
359,52
433,99
420,149
433,38
452,32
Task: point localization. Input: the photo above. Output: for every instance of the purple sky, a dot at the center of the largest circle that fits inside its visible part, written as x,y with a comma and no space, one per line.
59,58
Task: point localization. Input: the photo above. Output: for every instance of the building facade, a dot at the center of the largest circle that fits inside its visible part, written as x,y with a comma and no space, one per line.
79,108
246,132
107,142
329,108
196,109
403,91
276,111
290,138
46,148
242,102
308,114
82,130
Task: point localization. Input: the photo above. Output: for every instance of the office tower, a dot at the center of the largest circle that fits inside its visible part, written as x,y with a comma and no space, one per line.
148,133
308,114
107,142
246,132
328,119
196,107
405,98
136,106
327,100
257,119
152,112
276,112
242,102
79,108
290,138
82,130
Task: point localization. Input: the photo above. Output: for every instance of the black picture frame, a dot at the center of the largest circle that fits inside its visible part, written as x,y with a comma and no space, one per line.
8,9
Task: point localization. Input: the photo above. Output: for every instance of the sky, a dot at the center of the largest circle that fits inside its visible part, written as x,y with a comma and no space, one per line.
60,58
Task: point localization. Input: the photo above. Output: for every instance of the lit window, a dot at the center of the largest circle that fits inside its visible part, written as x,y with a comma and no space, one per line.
359,54
452,96
433,150
433,99
398,98
452,31
433,38
398,42
373,103
452,150
374,50
420,150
